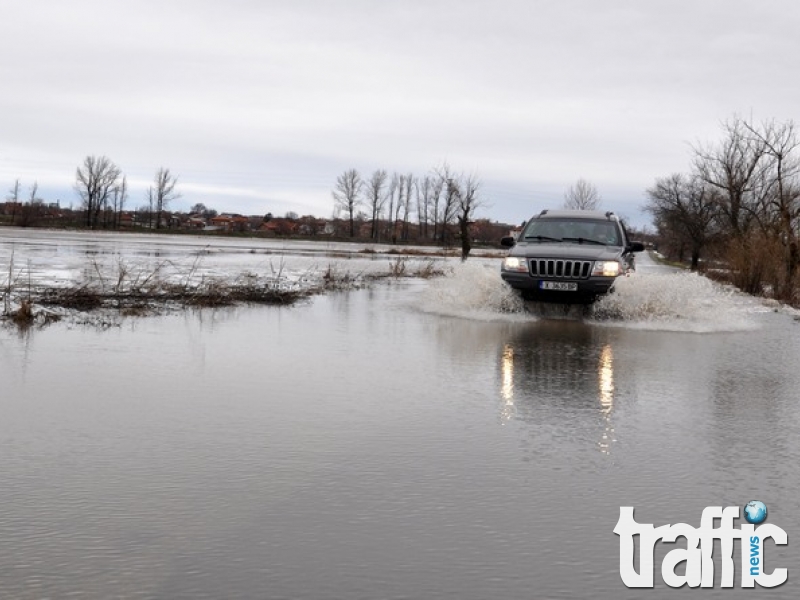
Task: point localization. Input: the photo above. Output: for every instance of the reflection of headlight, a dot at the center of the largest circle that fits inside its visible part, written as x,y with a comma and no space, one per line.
610,268
512,263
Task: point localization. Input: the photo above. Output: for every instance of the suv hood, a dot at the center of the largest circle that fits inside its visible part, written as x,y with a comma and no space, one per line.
567,250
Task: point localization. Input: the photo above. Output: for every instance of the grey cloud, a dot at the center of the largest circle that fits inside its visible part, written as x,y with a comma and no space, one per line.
532,95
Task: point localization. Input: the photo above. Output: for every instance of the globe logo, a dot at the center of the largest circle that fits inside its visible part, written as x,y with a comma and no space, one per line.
755,512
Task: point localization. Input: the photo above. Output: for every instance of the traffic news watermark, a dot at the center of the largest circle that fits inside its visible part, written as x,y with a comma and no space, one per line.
699,547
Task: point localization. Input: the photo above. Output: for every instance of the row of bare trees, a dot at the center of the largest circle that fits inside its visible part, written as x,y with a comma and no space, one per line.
24,211
441,200
103,190
741,202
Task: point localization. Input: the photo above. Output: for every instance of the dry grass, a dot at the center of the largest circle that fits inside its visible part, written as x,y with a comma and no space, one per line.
755,266
429,269
397,267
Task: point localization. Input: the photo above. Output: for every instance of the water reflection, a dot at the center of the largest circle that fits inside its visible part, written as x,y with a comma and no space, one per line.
556,372
507,383
606,389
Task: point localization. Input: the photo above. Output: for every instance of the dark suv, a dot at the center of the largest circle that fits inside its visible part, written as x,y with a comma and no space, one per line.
569,256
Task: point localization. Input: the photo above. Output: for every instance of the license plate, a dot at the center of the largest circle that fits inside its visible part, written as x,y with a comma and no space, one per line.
560,286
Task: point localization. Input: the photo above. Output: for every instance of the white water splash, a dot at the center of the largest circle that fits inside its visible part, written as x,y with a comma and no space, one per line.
666,302
676,302
473,290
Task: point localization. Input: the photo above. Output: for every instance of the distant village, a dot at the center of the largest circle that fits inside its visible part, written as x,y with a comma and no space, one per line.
203,220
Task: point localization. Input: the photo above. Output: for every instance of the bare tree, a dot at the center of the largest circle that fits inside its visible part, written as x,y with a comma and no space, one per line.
151,201
347,195
395,187
687,208
424,189
436,194
410,184
34,195
582,196
402,206
95,180
733,167
449,187
32,209
164,192
781,202
121,197
13,197
376,197
401,198
466,191
13,193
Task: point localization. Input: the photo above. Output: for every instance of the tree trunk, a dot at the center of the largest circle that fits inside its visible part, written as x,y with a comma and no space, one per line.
463,225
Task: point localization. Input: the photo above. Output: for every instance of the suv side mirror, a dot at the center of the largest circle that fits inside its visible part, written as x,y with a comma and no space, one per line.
636,247
508,241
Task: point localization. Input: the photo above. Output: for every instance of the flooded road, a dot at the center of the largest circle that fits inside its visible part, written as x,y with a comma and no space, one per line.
416,439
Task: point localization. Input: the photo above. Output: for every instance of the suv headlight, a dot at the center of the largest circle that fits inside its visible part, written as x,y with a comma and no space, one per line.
607,268
513,263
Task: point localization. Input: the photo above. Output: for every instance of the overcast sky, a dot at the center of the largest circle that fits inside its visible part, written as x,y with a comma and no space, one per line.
257,106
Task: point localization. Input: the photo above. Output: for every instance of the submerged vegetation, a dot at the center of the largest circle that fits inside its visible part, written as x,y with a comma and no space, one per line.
125,289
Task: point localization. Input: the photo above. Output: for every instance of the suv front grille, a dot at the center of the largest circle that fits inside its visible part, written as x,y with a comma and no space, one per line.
571,269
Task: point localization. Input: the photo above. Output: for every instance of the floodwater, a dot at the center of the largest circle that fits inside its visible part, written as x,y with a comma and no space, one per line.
412,440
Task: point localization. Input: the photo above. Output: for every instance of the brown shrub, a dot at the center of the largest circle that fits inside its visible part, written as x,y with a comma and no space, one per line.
24,314
757,266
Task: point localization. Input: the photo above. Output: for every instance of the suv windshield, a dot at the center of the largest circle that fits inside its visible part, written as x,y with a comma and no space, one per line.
573,230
